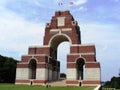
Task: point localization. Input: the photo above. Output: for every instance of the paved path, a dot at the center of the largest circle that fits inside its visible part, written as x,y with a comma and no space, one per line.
58,83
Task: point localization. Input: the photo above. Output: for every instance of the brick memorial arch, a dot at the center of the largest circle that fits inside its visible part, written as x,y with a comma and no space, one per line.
41,64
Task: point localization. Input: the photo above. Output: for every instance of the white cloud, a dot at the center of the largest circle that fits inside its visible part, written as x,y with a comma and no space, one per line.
79,2
2,2
82,8
36,2
17,33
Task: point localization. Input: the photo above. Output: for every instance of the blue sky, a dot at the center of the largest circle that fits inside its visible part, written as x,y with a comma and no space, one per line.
22,24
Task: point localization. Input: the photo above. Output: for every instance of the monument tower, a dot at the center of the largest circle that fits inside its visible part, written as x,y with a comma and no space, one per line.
41,64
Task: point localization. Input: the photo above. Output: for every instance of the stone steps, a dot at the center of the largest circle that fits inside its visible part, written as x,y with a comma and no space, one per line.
59,83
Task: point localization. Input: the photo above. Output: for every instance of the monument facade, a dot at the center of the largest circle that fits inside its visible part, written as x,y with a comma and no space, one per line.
41,64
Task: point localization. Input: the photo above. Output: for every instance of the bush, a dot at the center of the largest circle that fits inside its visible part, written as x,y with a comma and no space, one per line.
62,75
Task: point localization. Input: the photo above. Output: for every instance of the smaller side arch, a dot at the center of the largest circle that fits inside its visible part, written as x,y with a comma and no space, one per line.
81,58
80,62
34,59
32,68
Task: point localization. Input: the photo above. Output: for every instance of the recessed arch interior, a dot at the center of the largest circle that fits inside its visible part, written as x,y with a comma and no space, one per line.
80,68
57,39
55,42
62,51
32,69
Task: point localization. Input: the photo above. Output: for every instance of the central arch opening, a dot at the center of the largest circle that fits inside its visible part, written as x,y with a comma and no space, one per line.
63,50
60,47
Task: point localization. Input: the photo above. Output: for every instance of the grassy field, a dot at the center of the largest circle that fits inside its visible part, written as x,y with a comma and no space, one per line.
26,87
109,89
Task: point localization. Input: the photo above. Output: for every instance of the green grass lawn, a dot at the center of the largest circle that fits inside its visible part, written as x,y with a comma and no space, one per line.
27,87
109,89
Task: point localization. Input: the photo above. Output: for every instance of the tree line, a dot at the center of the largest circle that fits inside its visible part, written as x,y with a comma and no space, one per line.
7,69
113,83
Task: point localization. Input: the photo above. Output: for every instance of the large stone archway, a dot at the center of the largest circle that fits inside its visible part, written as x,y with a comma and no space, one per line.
82,67
55,41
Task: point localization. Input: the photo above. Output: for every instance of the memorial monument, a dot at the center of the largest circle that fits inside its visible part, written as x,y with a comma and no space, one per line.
40,65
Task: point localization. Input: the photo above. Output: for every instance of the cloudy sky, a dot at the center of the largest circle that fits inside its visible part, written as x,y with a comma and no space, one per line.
22,24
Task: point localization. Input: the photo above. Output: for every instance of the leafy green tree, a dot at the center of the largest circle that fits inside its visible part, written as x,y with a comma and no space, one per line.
107,84
114,83
62,75
7,69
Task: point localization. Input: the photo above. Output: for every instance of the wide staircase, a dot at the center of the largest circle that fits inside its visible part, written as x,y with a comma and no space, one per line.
59,83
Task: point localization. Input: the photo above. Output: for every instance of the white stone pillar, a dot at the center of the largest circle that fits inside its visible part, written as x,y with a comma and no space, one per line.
92,73
22,73
71,74
41,73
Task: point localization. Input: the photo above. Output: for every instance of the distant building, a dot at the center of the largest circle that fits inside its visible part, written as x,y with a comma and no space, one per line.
41,64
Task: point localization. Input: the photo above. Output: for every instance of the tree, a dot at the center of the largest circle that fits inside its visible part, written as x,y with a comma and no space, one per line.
7,69
114,83
62,75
